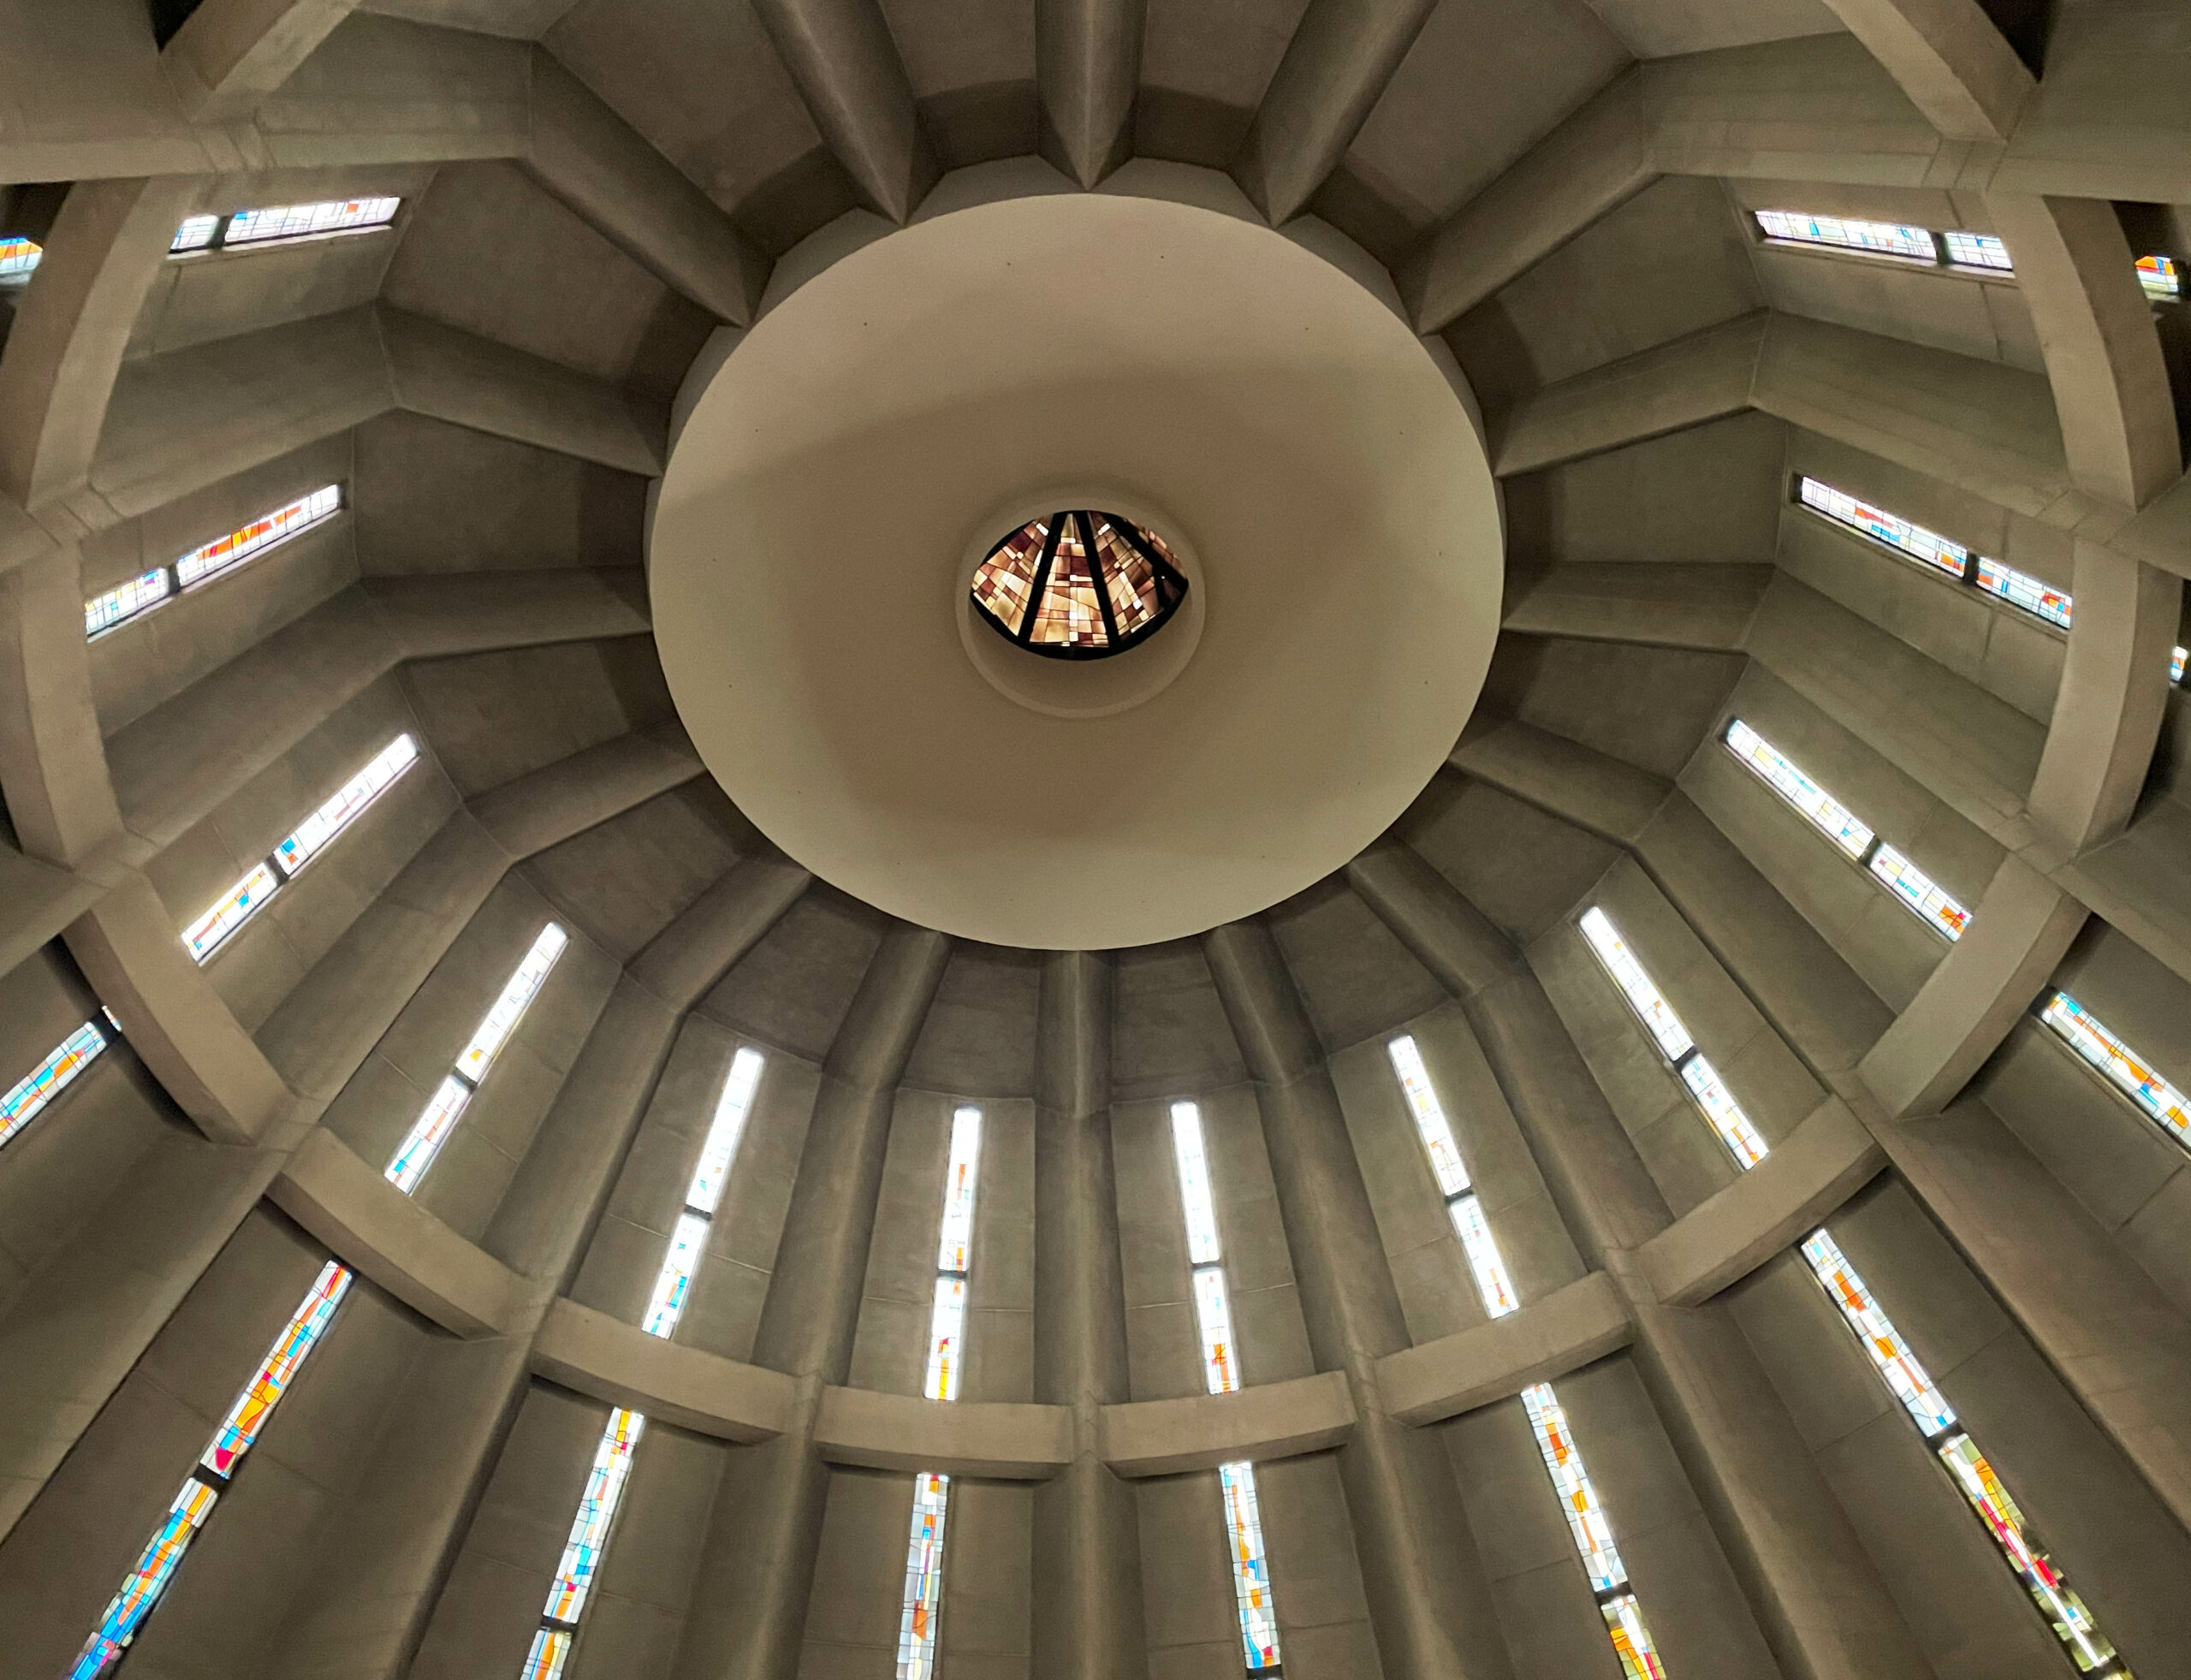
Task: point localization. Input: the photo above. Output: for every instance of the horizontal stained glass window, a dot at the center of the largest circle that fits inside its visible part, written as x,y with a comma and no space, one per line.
18,257
239,1430
231,913
2130,1073
1827,814
26,1099
2160,277
1586,1516
141,1591
1884,238
501,1021
1252,1597
1911,887
1643,995
268,225
923,1600
140,595
1194,1184
2021,589
260,535
1978,251
1890,529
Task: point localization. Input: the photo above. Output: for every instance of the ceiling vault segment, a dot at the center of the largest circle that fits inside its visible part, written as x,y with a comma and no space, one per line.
845,65
230,54
1086,71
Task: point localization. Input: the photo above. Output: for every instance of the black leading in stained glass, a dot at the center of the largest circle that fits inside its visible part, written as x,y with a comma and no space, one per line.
1079,585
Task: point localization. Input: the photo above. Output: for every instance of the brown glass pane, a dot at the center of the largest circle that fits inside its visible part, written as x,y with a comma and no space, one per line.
1069,615
1006,577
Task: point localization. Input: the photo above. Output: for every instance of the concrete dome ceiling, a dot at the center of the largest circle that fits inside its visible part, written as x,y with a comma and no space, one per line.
1576,395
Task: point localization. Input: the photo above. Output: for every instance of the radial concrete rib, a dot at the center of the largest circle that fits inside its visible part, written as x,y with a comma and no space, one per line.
845,65
230,54
1488,1361
1087,1603
1199,1432
1006,1441
1087,68
582,792
37,901
126,944
83,1319
2021,928
1342,56
1429,1598
1823,1608
2138,881
591,1353
1672,606
756,1567
60,795
1949,57
377,1230
1730,1233
724,923
595,162
1574,783
2094,1313
72,326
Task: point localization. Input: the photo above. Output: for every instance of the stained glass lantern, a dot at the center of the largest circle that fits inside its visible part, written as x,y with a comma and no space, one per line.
1078,584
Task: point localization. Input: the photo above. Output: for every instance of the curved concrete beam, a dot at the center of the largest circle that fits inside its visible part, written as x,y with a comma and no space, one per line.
60,792
900,1431
1271,1420
846,67
595,1354
377,1230
566,797
1730,1233
597,163
1342,56
1087,69
1947,56
1562,1332
1593,791
230,54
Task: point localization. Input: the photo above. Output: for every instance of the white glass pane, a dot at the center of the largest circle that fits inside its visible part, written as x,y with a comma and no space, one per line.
429,1134
138,595
2160,277
207,932
1429,1116
604,1489
955,1242
1643,994
1979,250
27,1098
314,834
256,226
501,1020
1915,891
195,233
2019,588
1784,777
1194,1184
1878,239
672,1285
1892,529
2120,1065
18,257
1632,1639
724,1132
1213,1316
924,1600
1491,1282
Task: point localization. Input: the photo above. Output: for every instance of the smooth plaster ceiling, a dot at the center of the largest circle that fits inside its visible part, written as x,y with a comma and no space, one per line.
809,547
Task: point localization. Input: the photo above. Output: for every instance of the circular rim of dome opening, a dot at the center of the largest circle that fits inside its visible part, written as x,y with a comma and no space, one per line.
1056,587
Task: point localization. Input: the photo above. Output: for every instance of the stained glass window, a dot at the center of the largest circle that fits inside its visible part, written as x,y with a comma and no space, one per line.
1078,584
2160,277
1644,996
947,1334
501,1020
1194,1184
923,1602
18,257
260,535
1213,1316
231,913
1703,1080
1243,1523
428,1133
1586,1516
1491,1282
140,595
2120,1065
263,227
1827,814
156,1567
239,1429
2021,589
1632,1639
1978,251
2057,1601
1892,529
29,1097
1912,888
1880,239
555,1639
1453,1175
2175,658
956,1233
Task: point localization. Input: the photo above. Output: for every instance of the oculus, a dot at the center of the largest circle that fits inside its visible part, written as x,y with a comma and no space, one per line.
1079,585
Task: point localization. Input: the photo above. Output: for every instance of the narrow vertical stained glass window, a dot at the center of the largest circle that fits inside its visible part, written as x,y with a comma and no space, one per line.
1892,529
556,1637
260,535
2057,1602
1243,1519
1491,1282
142,1590
2120,1065
239,1430
231,913
18,257
1978,251
923,1602
1733,1126
2160,277
2175,658
140,595
1453,1175
1911,887
2021,589
26,1099
1878,239
501,1021
428,1133
1632,1639
1251,1590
